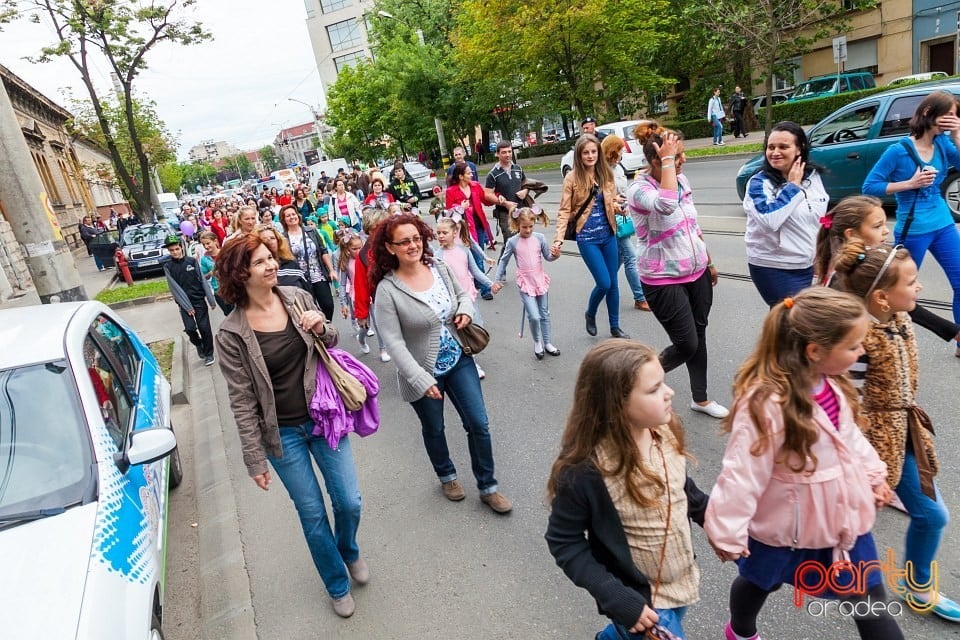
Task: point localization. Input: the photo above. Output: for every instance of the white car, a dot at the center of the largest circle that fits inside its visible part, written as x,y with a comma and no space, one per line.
85,439
633,158
425,178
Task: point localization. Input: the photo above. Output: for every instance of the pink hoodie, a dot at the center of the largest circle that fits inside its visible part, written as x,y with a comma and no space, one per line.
762,497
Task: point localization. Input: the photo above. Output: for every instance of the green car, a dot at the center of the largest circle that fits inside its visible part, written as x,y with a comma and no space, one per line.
847,143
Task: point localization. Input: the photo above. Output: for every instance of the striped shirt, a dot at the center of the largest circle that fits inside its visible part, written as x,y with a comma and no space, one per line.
827,399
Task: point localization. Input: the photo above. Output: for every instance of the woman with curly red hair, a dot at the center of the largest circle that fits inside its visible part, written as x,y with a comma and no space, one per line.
419,307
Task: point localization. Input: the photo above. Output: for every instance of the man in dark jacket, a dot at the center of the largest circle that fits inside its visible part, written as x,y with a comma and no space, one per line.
192,293
738,104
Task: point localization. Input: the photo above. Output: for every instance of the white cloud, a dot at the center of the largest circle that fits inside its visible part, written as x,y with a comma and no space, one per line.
235,87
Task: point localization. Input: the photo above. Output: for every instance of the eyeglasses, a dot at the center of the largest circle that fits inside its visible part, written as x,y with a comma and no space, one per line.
406,241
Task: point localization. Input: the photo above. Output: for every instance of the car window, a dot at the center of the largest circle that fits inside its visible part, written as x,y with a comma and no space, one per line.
115,405
897,120
144,233
856,83
847,126
121,347
822,85
45,451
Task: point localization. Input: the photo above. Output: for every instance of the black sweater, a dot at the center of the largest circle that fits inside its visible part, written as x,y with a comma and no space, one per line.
587,540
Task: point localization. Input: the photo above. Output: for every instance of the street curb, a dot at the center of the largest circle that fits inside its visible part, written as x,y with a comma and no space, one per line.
135,302
179,374
226,607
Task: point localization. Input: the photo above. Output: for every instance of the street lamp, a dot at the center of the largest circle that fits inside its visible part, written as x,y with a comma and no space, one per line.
437,123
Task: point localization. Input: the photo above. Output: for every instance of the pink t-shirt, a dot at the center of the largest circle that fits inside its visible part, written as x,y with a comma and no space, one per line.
456,258
531,278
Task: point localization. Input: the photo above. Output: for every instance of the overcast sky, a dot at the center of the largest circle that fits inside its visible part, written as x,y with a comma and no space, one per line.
235,87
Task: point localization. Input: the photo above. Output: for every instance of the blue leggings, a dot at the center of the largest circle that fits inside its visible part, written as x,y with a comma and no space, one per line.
944,244
928,519
603,261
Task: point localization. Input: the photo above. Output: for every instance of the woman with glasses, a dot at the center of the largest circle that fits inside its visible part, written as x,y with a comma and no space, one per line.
419,307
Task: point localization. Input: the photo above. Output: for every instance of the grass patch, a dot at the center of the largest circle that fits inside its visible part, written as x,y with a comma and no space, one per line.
754,147
163,352
541,166
138,290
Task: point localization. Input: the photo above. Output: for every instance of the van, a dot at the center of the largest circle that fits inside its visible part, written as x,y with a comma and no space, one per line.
169,205
286,176
832,84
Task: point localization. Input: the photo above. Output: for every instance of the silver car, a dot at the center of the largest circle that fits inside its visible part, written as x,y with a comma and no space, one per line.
425,178
633,158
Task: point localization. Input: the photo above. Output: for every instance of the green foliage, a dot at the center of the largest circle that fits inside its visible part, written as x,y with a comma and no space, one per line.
539,150
696,128
116,36
814,110
137,290
171,176
198,174
268,155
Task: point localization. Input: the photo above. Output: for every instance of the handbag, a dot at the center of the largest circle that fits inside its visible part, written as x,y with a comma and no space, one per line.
570,233
351,390
625,227
473,339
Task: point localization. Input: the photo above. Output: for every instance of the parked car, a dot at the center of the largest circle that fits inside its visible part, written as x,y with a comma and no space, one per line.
919,77
142,246
777,97
633,158
832,84
849,141
87,453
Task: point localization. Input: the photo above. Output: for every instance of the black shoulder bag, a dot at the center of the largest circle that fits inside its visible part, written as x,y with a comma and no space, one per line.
912,152
570,233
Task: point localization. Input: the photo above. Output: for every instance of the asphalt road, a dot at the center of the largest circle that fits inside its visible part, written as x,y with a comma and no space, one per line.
457,570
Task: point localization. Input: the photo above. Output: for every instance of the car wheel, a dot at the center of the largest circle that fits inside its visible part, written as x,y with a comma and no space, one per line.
176,469
156,633
564,171
951,193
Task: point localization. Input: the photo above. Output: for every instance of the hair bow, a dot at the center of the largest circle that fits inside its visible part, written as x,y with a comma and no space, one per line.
826,221
515,213
455,213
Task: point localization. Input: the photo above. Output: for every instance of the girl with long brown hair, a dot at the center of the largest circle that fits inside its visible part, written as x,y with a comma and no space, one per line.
621,498
800,485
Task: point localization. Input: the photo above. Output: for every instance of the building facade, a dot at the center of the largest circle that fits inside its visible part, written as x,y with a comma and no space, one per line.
76,175
300,144
209,151
338,35
935,36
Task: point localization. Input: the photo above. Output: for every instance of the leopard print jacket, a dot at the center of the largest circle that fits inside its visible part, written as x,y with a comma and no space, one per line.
886,376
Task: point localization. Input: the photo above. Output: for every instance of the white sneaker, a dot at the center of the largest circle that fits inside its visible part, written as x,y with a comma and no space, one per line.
713,409
481,373
385,357
364,347
370,331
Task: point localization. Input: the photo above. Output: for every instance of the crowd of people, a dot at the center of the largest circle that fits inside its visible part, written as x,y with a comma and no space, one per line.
824,428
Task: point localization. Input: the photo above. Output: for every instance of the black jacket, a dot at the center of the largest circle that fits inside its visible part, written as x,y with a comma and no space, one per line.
403,190
586,538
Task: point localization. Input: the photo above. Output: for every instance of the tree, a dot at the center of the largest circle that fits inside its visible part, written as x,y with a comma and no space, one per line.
117,34
563,54
268,155
770,32
171,176
157,143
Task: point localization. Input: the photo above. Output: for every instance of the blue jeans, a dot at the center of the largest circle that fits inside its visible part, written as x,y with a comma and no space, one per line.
628,258
928,519
603,261
944,244
329,549
776,284
717,129
537,310
462,385
670,619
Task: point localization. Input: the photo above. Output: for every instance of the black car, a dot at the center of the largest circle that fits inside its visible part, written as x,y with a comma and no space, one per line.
142,246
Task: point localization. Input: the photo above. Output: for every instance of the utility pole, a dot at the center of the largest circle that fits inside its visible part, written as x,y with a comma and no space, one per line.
32,217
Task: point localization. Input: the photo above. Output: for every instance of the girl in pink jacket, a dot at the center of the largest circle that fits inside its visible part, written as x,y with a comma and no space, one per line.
800,484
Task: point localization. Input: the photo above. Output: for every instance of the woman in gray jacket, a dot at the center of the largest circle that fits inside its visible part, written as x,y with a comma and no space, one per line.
269,361
419,307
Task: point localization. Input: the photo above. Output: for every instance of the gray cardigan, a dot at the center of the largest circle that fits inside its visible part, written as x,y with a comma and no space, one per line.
411,330
248,381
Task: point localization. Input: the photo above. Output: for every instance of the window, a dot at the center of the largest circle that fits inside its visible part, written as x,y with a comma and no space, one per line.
329,6
47,178
348,60
343,35
121,347
848,126
897,121
115,405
